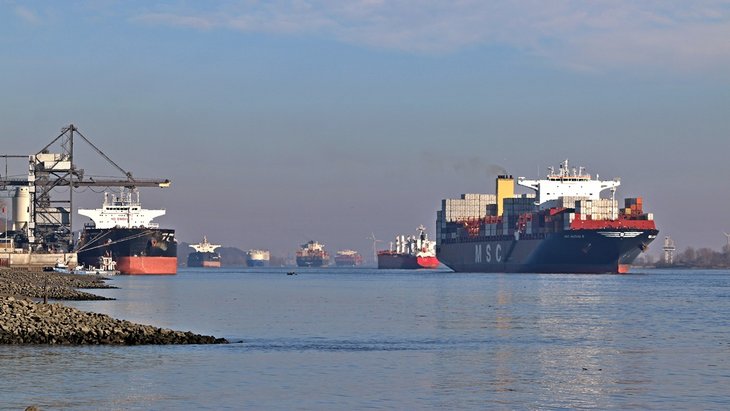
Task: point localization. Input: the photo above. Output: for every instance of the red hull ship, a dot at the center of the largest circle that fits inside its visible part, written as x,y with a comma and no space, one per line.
348,258
204,255
411,252
147,265
387,259
124,231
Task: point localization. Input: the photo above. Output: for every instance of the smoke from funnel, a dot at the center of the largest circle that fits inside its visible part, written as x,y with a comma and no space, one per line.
495,169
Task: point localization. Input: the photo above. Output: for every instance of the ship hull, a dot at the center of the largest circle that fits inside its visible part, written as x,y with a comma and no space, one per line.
405,261
347,261
255,263
311,261
136,250
574,251
204,259
147,265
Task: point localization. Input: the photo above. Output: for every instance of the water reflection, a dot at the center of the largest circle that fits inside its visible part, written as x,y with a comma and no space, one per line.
402,340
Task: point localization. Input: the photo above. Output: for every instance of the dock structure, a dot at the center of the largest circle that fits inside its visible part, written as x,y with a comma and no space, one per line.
40,229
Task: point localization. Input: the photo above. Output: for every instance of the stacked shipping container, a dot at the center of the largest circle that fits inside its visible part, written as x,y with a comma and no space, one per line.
468,206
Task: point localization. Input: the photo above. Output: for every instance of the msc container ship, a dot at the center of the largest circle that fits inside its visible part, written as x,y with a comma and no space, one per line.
563,227
204,255
348,258
312,254
124,231
257,258
410,252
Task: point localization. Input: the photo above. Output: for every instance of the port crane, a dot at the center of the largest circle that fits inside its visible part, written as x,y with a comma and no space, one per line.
50,218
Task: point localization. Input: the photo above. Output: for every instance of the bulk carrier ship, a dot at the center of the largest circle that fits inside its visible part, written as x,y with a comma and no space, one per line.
124,231
564,227
204,255
312,254
348,258
410,252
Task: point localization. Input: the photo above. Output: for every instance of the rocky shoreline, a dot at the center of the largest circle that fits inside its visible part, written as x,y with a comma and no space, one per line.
25,321
34,283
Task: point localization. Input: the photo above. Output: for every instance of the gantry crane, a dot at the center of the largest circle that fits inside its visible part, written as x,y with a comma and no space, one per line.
51,216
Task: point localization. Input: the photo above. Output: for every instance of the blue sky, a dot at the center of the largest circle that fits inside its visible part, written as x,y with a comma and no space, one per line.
284,121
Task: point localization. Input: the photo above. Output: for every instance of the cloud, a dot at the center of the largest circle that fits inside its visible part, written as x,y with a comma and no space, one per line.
585,34
27,15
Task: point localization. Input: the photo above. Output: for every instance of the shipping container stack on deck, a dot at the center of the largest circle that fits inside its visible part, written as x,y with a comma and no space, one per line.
565,226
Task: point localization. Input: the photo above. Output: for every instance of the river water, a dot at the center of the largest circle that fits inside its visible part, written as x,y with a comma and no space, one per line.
334,339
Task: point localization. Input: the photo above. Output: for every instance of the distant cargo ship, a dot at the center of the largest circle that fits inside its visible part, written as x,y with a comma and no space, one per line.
348,258
257,258
565,227
124,231
204,255
410,252
312,254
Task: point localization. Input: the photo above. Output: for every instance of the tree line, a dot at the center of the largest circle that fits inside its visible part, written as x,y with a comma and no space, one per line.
692,257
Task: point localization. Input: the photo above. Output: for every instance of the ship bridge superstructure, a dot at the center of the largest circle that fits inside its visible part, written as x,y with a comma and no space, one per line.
122,211
205,246
567,182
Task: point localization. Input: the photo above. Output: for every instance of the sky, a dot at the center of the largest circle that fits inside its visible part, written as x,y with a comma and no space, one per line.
280,122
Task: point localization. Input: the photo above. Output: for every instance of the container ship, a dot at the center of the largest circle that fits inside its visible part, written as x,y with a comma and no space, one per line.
257,258
411,252
204,255
124,231
564,226
312,254
348,258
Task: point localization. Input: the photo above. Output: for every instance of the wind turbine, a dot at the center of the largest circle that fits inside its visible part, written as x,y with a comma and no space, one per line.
375,247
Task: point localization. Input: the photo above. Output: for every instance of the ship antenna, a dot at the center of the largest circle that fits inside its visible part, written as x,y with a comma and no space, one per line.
614,210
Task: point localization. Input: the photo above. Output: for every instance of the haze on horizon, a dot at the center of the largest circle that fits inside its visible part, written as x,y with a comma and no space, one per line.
284,121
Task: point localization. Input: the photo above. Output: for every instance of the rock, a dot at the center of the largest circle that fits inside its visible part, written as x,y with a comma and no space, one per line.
23,321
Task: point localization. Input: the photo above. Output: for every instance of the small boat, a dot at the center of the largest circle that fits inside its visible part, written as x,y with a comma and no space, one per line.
107,266
291,273
92,270
61,267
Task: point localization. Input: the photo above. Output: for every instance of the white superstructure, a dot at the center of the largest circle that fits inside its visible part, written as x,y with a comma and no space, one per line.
205,246
259,255
418,245
347,253
122,211
568,183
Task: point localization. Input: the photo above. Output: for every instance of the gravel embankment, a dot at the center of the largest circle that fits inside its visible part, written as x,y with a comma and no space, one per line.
24,321
56,286
27,322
